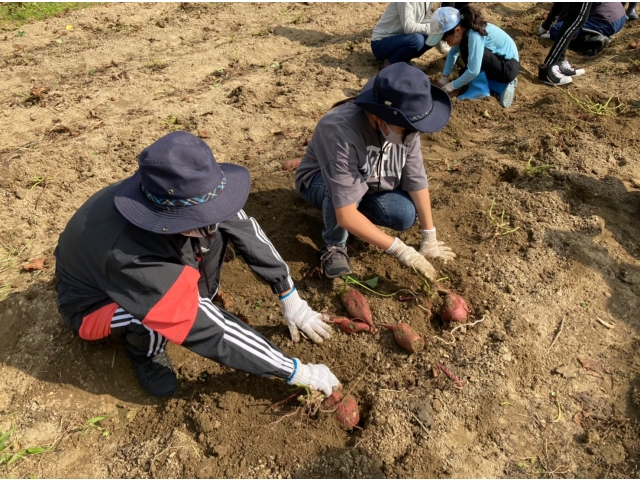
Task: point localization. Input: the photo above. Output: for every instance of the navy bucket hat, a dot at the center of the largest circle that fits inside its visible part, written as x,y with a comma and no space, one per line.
179,186
402,95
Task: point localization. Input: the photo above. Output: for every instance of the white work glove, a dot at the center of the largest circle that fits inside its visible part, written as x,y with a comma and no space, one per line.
448,87
411,258
431,247
542,30
299,315
317,377
443,80
443,47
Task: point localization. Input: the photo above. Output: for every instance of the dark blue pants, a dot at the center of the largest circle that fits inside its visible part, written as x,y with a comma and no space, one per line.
400,48
606,29
392,209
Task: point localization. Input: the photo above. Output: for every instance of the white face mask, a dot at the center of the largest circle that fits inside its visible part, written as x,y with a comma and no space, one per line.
397,138
392,137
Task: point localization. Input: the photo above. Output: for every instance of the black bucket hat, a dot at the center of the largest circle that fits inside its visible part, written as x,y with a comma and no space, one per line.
402,95
179,186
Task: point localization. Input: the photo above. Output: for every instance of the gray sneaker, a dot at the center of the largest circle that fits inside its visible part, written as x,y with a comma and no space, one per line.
335,262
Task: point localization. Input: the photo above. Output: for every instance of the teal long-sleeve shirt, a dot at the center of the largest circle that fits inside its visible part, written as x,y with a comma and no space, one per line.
497,41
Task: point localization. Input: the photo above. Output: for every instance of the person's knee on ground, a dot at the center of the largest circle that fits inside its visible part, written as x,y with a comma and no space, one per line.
412,47
476,88
589,42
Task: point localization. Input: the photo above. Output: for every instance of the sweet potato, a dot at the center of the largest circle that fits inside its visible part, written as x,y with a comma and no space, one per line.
454,308
406,337
333,399
347,413
357,306
352,326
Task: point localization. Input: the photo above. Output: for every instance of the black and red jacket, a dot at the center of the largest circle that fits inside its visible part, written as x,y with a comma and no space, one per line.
166,281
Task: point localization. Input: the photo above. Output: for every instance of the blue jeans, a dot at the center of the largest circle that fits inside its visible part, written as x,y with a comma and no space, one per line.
392,209
606,29
400,48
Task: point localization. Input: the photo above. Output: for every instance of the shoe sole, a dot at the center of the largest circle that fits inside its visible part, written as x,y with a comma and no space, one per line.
560,83
331,277
507,97
163,395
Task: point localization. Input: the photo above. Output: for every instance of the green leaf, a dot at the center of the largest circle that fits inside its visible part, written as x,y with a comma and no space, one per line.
4,438
520,465
34,450
372,282
105,433
97,419
15,458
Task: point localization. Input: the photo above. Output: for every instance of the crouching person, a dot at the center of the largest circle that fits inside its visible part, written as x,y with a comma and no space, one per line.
489,54
141,259
605,19
364,169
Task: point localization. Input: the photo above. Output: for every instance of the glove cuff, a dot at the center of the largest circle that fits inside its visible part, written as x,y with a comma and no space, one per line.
291,302
300,375
428,235
395,248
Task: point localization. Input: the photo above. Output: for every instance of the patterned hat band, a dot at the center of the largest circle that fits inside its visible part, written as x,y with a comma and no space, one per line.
184,202
420,117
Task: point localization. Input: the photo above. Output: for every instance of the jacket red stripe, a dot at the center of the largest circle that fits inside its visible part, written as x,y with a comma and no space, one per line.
97,324
174,315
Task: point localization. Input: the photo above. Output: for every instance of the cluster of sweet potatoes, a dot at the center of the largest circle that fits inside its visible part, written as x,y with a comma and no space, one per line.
454,308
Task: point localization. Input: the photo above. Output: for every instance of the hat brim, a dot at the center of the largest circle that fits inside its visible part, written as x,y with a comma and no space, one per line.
433,39
135,207
432,123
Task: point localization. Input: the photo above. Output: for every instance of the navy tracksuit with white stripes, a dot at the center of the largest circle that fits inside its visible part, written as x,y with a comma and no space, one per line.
116,279
575,16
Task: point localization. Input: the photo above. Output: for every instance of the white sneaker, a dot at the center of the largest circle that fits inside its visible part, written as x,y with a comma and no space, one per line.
553,76
569,71
443,47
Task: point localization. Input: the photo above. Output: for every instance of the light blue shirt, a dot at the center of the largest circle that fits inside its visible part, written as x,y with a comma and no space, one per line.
497,41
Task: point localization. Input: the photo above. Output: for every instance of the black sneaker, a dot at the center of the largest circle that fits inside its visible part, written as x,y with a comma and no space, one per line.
335,262
631,11
569,71
552,75
596,43
155,374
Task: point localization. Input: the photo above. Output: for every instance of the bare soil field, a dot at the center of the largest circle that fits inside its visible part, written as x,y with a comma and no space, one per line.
541,203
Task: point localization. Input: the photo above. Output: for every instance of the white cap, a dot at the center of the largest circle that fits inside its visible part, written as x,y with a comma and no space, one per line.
442,20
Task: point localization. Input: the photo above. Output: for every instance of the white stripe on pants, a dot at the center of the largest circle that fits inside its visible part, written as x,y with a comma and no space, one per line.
124,323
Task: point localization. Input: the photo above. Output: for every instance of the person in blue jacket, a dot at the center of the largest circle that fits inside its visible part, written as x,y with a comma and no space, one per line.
489,54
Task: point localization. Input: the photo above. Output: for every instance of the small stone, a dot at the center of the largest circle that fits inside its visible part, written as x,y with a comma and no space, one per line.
221,450
592,438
